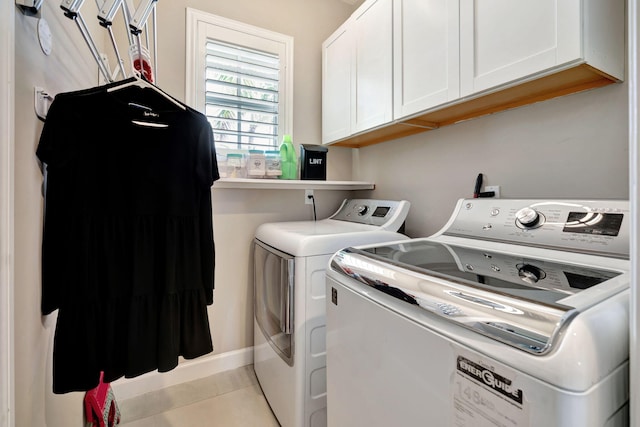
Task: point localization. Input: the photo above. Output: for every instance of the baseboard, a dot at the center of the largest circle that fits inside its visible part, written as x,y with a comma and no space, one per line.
187,370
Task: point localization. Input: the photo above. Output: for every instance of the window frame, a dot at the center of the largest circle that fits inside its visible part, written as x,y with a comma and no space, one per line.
202,26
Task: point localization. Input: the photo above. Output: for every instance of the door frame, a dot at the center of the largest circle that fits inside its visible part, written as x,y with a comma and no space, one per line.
7,135
633,78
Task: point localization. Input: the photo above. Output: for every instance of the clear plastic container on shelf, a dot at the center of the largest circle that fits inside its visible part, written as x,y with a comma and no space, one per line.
273,164
256,164
222,164
236,166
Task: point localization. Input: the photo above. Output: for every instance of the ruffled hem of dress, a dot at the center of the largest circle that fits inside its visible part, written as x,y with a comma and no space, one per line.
128,337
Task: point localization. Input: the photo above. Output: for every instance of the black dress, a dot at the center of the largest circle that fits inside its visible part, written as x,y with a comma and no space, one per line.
128,252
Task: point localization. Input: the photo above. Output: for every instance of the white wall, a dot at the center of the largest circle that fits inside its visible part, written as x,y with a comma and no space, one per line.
69,67
570,147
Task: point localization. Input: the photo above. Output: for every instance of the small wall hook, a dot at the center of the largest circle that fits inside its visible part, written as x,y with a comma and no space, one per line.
42,101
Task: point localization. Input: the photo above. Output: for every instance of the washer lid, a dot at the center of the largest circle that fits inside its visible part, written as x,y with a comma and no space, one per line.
518,300
512,273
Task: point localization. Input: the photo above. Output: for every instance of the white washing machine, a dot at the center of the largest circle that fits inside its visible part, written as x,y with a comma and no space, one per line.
515,314
290,260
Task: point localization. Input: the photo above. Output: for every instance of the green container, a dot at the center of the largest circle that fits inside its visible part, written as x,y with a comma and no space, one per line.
288,159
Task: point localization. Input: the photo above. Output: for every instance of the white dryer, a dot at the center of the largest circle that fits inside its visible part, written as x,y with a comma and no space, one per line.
515,314
290,260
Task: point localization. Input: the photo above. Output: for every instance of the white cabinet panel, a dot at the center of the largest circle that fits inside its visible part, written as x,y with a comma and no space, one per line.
505,40
372,103
337,53
426,54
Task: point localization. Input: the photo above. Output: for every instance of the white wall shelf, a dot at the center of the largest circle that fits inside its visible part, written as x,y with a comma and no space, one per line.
284,184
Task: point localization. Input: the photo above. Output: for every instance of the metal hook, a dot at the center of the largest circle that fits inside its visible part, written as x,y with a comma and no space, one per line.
41,102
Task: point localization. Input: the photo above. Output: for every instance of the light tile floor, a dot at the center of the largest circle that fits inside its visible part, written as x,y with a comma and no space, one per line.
229,399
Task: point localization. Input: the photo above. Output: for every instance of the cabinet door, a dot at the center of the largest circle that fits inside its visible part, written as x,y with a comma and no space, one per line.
505,40
372,103
337,55
426,54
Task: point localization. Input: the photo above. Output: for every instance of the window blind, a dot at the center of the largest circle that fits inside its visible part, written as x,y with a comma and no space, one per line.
242,96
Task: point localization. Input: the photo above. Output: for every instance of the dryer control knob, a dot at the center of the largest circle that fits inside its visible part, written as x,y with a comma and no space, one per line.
528,218
362,209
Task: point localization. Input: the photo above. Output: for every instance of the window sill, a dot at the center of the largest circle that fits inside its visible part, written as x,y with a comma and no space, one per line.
285,184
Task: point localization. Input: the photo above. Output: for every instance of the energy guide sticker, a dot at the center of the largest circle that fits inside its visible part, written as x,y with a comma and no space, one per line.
483,397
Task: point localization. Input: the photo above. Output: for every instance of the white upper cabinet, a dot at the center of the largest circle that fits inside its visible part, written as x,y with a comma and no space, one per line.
415,65
502,41
426,54
337,58
372,86
357,73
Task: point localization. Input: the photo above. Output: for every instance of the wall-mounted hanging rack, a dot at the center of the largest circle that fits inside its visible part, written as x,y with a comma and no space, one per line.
136,21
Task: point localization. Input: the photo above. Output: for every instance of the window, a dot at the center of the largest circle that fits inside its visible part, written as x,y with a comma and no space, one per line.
240,77
241,95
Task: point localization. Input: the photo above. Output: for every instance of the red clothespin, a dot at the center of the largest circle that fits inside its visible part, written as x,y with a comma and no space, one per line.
100,407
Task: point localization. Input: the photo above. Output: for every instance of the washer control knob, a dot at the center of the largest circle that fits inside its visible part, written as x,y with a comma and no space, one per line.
362,209
528,218
530,273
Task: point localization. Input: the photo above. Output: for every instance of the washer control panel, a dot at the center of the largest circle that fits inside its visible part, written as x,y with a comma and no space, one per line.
590,226
386,214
